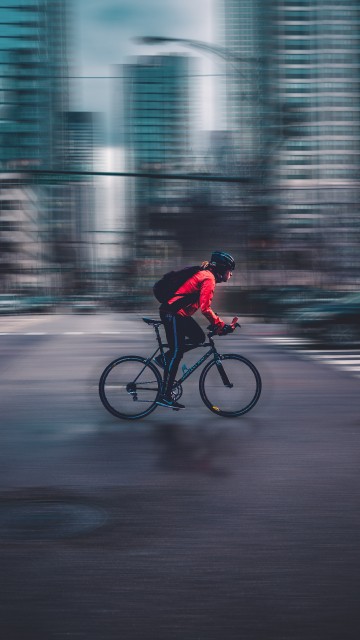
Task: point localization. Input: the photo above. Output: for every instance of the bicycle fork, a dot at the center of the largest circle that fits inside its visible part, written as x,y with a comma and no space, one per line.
222,373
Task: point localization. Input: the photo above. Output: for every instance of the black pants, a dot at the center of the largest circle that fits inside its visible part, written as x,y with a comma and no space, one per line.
182,334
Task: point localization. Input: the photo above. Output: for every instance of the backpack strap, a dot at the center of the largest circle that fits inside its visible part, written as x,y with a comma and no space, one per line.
184,300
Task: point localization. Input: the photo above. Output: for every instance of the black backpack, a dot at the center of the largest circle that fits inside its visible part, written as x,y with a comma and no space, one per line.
165,288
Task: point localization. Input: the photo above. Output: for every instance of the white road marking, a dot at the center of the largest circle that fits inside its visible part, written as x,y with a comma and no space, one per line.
108,333
72,333
283,340
34,333
343,362
316,353
347,360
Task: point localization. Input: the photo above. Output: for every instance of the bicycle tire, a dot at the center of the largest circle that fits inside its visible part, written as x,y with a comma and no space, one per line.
224,400
119,387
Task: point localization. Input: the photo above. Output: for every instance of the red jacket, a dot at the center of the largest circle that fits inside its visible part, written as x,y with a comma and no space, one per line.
204,282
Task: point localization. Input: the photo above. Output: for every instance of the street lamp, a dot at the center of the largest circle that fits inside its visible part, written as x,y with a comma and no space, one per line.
262,108
283,119
216,50
256,64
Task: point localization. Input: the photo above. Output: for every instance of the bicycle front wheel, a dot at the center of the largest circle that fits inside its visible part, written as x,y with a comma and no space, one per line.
231,387
129,387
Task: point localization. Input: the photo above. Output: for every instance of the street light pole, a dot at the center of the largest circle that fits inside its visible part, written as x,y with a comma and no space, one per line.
264,112
224,53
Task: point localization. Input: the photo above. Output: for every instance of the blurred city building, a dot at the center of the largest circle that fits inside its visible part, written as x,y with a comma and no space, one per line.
84,139
23,249
32,136
277,182
243,33
291,105
33,82
158,138
316,169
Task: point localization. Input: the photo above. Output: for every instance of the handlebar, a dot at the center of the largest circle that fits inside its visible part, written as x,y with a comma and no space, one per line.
234,323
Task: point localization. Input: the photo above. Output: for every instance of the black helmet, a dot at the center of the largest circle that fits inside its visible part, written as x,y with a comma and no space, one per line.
222,261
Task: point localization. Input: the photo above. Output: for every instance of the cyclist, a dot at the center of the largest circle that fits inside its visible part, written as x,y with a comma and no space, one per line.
182,331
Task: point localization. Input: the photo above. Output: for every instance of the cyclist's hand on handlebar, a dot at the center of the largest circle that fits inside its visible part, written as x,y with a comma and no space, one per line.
229,328
214,329
225,329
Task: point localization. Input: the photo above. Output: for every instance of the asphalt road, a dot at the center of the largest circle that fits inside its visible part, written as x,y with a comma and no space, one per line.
183,525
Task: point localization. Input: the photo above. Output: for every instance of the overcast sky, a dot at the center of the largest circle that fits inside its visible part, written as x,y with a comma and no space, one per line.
103,32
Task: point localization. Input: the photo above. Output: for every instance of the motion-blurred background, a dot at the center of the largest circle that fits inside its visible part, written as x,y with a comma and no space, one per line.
136,137
139,136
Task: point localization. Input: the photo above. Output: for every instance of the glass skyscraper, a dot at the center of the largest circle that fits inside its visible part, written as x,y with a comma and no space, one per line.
318,80
242,30
158,117
297,104
317,167
157,112
33,98
33,91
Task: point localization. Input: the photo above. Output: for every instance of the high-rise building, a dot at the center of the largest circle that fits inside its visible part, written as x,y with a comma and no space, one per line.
242,31
317,166
84,137
158,112
158,118
33,98
33,88
296,103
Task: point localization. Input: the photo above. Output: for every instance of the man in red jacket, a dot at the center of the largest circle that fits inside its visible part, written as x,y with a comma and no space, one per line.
179,325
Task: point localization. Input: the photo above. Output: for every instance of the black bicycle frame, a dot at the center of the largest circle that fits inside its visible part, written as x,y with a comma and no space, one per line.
188,372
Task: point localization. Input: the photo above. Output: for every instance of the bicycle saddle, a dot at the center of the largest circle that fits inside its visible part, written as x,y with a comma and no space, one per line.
156,323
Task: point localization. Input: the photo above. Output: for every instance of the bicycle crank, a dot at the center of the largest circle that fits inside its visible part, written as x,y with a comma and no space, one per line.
176,391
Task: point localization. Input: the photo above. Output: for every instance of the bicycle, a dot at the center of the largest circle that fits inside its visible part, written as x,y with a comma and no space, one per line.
229,385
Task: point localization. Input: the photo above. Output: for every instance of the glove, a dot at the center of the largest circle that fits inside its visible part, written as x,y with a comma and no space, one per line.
227,328
222,331
215,329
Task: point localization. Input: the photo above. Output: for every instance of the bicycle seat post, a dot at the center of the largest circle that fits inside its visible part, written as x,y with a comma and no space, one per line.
157,334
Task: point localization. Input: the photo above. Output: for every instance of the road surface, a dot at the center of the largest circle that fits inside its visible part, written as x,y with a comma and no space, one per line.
183,525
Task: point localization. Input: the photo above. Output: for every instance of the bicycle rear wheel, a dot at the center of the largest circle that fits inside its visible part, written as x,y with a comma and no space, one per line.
231,387
129,387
